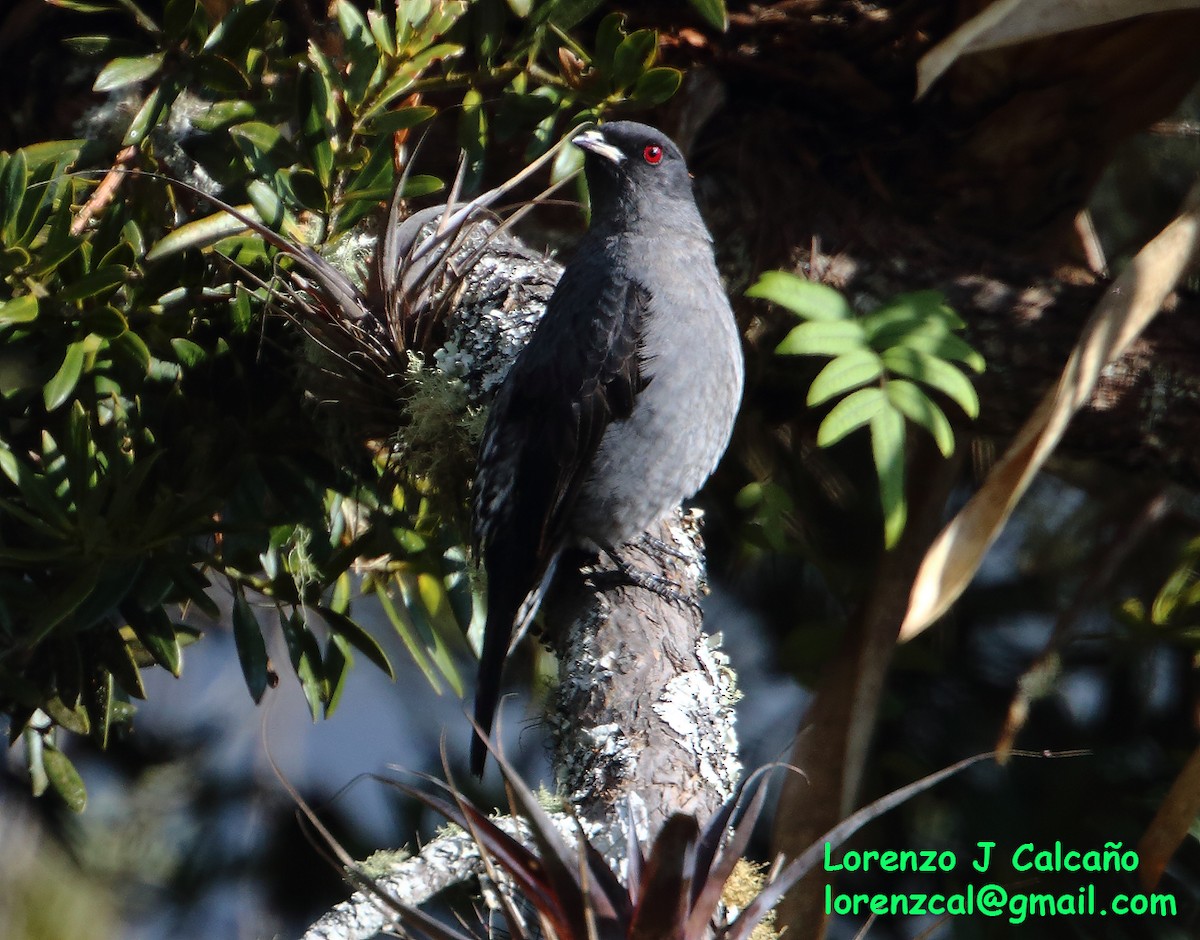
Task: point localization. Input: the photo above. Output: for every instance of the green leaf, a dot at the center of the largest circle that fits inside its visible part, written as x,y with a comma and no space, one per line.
267,203
265,147
656,86
713,12
936,373
157,634
823,338
520,8
306,659
336,667
103,280
59,388
850,414
405,629
566,14
117,656
943,346
218,74
358,637
922,410
473,136
608,36
400,120
381,31
156,105
920,306
252,651
107,322
12,191
177,17
239,28
422,185
64,778
22,309
887,447
126,70
72,717
224,113
807,299
201,233
848,371
188,353
634,55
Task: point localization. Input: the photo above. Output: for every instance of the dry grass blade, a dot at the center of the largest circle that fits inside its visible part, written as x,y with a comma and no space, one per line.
1129,305
1171,824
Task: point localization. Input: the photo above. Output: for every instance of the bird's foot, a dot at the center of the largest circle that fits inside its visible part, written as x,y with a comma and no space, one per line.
657,546
627,574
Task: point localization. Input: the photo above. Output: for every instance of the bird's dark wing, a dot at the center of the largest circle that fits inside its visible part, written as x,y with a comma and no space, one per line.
577,375
582,369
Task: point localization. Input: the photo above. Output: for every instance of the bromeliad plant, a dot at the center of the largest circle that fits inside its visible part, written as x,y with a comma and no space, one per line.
676,888
884,366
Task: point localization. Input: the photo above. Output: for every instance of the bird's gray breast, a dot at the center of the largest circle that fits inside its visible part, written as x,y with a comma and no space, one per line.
682,420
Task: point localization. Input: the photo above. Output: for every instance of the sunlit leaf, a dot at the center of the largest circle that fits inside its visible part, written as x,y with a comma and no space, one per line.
805,298
22,309
358,637
823,338
127,70
848,371
656,86
60,387
887,448
936,373
400,120
305,656
201,233
153,109
922,410
851,413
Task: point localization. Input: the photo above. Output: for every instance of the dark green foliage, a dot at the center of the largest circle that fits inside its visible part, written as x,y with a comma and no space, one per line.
881,367
158,457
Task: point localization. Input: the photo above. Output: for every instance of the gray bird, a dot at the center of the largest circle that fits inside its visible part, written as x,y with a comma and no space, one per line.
624,399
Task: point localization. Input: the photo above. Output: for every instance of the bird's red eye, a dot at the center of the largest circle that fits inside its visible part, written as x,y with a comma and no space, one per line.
653,154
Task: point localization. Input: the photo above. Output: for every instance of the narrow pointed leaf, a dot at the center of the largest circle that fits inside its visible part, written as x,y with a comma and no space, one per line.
22,309
847,372
936,373
714,13
807,299
922,410
850,414
252,650
65,779
823,338
127,70
359,638
887,446
60,387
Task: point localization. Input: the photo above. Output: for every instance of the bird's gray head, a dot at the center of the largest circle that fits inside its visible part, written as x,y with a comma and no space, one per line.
633,169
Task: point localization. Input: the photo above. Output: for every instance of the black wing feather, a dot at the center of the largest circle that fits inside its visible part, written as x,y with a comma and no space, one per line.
582,370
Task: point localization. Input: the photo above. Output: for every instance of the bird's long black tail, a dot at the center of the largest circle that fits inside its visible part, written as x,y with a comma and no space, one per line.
510,611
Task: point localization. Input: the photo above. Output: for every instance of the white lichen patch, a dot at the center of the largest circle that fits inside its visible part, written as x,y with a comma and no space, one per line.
698,706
